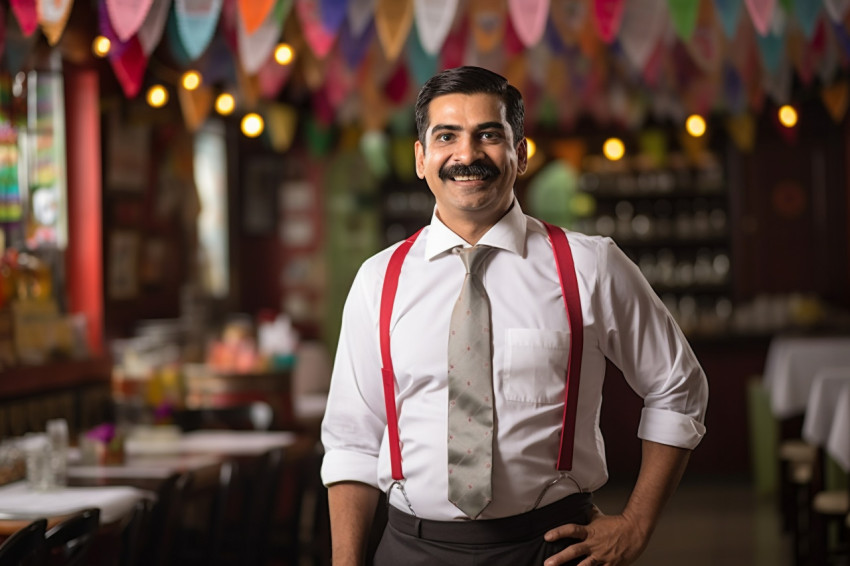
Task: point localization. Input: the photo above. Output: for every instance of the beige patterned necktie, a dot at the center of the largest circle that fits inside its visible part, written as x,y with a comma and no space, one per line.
470,425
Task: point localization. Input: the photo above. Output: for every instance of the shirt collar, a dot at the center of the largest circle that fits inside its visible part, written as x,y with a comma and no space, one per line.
508,234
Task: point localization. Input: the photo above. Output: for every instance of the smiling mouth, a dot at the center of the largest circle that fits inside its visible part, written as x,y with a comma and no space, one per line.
477,171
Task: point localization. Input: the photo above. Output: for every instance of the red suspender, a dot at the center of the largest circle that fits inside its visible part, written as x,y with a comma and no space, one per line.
387,300
569,289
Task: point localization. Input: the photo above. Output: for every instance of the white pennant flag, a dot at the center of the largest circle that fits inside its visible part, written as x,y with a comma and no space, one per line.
151,31
434,20
360,13
255,48
836,9
644,21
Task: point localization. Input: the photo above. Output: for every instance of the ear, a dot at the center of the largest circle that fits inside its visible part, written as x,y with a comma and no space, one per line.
522,156
419,150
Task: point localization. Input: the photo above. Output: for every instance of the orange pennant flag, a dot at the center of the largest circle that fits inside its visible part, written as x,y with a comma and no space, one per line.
195,105
254,13
393,20
742,130
835,98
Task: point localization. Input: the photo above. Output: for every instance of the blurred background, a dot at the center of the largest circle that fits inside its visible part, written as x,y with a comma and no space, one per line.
188,187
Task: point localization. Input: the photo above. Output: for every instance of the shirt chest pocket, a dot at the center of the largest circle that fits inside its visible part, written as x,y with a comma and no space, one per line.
535,365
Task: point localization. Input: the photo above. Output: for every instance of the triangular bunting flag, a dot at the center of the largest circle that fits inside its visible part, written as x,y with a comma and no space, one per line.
683,14
360,15
835,98
318,38
569,18
836,9
129,67
333,14
807,13
608,15
151,31
272,77
196,24
729,12
27,15
253,13
434,20
487,20
255,48
393,20
52,16
195,105
644,22
281,123
422,64
761,13
529,19
126,16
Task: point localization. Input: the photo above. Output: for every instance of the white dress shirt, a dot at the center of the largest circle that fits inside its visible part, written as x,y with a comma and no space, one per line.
623,320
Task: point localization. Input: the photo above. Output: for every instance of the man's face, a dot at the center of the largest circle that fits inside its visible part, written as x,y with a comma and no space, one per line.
469,158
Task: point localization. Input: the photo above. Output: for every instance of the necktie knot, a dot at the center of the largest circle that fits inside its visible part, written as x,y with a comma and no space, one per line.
473,258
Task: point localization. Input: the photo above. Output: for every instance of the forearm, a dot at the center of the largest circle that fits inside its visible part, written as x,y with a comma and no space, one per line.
352,509
661,470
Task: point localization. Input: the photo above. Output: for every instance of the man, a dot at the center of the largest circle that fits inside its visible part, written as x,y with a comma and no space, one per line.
527,508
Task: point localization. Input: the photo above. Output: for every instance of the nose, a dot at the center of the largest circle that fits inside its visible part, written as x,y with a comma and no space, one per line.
467,150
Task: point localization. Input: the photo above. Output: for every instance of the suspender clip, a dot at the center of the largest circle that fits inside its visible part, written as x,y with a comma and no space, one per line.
400,485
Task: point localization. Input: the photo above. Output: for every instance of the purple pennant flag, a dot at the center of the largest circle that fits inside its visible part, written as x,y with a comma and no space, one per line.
733,90
333,13
354,48
106,30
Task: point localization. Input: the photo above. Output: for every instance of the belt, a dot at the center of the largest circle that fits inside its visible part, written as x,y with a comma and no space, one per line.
574,508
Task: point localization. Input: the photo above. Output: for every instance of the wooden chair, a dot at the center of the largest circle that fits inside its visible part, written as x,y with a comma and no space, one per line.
68,543
25,547
257,415
132,533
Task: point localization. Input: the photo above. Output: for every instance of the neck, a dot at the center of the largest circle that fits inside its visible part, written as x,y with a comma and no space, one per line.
470,227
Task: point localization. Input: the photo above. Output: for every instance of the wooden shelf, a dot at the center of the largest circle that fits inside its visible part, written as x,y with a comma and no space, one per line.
28,380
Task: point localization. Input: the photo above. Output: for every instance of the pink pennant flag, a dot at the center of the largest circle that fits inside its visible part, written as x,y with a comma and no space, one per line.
340,80
272,78
529,18
130,67
127,16
27,15
608,15
761,13
53,16
318,38
254,12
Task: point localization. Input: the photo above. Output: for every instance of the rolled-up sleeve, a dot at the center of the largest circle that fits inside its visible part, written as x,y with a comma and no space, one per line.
354,422
641,338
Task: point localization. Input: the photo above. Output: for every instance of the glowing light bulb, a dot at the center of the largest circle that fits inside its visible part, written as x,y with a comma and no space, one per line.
252,125
157,96
284,54
788,116
695,125
191,80
101,46
225,104
614,149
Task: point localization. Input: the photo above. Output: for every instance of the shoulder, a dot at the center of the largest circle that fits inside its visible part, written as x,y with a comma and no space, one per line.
587,248
373,270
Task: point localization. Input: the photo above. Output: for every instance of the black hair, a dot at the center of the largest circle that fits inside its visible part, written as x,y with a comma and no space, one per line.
471,80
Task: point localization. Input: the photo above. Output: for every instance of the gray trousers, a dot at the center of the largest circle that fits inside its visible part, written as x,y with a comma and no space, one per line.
512,541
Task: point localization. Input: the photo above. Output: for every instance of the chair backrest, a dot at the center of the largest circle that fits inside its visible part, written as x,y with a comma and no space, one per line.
132,533
256,415
69,541
24,547
263,499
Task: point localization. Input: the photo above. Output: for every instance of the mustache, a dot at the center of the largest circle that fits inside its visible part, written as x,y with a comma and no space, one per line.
476,169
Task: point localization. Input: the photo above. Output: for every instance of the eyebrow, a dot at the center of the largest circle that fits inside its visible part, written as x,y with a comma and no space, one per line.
455,128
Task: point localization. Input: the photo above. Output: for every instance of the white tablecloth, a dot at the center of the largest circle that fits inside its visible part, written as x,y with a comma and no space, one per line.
791,366
17,500
822,404
156,467
230,442
838,443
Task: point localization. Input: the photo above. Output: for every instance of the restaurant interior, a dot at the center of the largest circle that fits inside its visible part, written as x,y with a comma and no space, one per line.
188,187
